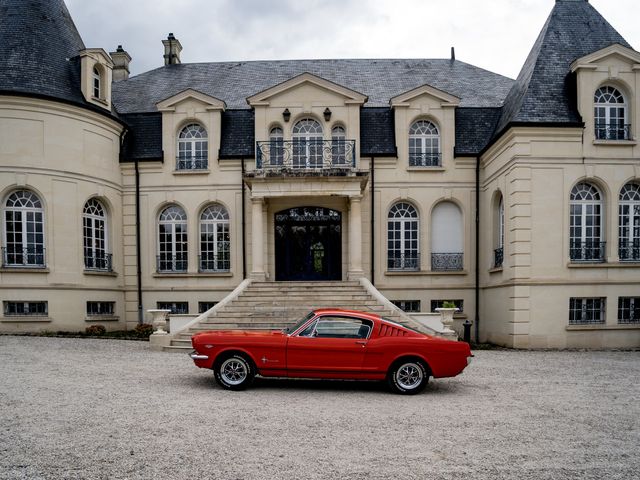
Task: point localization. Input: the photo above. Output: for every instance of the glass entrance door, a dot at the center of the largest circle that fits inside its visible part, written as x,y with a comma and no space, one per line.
308,244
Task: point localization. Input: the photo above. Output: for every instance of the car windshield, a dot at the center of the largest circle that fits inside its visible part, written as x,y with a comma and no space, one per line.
299,323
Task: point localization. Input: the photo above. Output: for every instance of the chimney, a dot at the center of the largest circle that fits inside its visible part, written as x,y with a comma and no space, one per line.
453,54
121,61
172,49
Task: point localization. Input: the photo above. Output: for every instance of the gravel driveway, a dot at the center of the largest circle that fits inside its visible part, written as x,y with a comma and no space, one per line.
108,409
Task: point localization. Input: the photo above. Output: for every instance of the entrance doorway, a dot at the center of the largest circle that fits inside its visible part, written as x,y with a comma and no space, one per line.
308,244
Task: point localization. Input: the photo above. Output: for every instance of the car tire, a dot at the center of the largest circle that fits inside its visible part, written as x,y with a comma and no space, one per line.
408,376
234,372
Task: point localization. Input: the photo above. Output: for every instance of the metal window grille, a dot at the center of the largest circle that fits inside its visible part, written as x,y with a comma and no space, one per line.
205,306
412,306
629,310
100,308
176,308
18,309
586,311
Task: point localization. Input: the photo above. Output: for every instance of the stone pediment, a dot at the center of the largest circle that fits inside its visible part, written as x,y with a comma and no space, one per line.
263,98
591,61
445,99
169,104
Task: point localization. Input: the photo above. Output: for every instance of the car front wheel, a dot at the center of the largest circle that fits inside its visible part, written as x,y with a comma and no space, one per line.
408,377
234,372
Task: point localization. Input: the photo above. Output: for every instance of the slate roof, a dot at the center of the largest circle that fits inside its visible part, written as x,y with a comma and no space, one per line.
544,91
237,134
474,128
377,134
39,49
380,80
144,137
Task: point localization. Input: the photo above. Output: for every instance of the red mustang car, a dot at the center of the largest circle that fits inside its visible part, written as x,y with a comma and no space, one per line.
331,344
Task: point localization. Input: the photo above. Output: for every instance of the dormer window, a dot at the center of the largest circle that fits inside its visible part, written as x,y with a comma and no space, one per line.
193,148
96,83
610,114
424,145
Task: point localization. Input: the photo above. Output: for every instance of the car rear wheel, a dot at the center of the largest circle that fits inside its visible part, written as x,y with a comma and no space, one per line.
408,377
234,372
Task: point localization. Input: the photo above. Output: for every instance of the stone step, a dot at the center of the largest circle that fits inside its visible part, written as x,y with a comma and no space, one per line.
330,283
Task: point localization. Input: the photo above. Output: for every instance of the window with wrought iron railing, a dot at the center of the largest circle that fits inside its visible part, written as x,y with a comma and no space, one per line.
586,311
629,310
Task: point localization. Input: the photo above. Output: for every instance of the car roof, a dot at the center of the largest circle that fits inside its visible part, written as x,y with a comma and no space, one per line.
343,311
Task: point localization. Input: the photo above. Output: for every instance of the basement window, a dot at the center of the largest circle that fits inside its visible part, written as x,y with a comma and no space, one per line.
25,309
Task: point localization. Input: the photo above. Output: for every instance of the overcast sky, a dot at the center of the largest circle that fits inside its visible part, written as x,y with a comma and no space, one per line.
495,34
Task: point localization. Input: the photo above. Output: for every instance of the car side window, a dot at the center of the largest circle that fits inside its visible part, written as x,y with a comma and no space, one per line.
308,332
341,327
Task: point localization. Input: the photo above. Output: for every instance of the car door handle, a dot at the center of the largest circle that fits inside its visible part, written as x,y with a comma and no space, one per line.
361,342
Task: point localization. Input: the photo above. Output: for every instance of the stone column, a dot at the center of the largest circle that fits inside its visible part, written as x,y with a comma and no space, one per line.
257,240
355,238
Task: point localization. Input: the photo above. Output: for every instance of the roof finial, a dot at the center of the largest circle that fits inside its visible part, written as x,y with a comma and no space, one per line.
453,54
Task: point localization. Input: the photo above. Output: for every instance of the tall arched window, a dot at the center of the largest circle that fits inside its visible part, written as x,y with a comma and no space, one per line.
338,146
276,147
498,253
215,248
585,224
94,227
23,231
307,144
610,114
424,144
172,240
402,237
629,223
97,83
447,237
193,148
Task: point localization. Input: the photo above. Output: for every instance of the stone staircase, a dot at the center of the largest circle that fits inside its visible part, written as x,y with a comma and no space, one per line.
275,305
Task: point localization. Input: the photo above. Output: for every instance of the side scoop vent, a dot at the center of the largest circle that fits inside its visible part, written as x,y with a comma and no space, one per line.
389,331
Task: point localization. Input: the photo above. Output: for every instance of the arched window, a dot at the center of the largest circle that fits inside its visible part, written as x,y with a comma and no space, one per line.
94,227
172,240
193,148
23,231
447,237
402,238
307,144
215,248
338,146
610,114
585,224
424,144
629,223
498,253
276,147
97,83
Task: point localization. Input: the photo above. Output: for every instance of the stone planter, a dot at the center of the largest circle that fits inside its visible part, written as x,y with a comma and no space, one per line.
446,316
159,320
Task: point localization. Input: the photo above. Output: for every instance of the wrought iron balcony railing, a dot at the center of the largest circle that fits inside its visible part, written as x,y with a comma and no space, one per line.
592,251
425,159
172,263
194,162
612,131
101,262
446,262
403,261
629,251
498,257
29,257
214,263
309,155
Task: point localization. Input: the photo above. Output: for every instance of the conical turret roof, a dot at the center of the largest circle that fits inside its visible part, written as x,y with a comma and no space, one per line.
544,91
39,49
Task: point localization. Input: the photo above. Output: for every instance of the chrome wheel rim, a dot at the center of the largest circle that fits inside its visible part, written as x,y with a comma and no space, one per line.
409,376
233,371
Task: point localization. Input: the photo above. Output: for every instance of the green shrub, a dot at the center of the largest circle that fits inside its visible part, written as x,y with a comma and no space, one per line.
143,330
448,305
95,330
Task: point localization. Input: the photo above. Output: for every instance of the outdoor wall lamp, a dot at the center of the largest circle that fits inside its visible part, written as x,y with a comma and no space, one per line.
327,114
286,115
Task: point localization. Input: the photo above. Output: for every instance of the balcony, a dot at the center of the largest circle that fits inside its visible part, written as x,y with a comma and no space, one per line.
101,262
297,155
498,257
629,251
29,257
587,252
172,263
612,131
403,261
193,162
425,159
446,262
214,263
